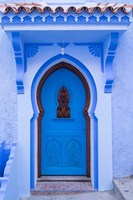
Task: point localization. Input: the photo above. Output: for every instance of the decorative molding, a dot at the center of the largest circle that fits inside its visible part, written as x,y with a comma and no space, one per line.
70,18
63,44
89,78
32,51
95,49
106,52
63,110
111,46
16,42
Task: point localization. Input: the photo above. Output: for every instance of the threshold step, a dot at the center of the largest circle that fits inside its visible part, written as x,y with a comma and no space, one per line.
59,187
65,178
124,188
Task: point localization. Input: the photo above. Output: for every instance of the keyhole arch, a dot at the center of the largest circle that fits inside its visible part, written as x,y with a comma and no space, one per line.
70,67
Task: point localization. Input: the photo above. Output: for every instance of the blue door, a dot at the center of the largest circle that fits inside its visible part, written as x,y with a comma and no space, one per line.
63,125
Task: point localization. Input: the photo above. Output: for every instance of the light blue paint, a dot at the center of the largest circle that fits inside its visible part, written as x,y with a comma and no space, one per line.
63,140
122,111
96,49
82,68
30,50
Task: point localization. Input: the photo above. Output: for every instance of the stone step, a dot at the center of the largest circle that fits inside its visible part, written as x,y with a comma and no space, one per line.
61,187
124,188
64,178
108,195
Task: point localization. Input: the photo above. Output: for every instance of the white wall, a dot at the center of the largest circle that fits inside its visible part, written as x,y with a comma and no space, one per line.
122,107
8,101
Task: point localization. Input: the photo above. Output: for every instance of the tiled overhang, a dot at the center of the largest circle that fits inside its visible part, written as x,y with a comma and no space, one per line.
43,7
57,14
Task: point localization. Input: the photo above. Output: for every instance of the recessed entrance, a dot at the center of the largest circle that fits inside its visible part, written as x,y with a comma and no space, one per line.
63,98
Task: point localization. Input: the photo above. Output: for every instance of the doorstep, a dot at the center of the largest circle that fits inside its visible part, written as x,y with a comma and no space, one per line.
64,178
62,187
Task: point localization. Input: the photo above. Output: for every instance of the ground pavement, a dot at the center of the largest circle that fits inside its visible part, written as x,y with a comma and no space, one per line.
68,191
81,191
108,195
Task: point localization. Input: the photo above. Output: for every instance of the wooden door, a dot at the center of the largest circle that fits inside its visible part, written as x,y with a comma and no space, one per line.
63,125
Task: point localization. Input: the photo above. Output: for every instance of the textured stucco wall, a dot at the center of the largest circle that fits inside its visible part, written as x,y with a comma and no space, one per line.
8,97
122,109
122,100
122,97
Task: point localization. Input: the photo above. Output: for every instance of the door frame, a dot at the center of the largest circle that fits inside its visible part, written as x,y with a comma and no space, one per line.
41,110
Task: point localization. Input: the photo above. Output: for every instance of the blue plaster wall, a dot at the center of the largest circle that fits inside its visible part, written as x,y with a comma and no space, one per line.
122,97
8,97
122,109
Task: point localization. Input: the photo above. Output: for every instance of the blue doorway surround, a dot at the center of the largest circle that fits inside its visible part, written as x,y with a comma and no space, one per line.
90,110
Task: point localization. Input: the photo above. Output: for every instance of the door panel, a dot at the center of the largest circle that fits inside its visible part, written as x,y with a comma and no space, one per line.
63,139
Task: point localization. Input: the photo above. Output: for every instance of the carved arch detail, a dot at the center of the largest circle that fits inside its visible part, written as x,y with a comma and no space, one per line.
63,110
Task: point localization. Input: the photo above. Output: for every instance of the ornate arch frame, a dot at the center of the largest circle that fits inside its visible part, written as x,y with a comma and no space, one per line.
91,113
41,110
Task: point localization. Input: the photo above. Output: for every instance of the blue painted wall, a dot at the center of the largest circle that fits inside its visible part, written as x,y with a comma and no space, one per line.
4,155
122,98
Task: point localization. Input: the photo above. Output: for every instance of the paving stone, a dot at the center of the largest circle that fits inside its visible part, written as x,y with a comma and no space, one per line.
68,191
124,188
108,195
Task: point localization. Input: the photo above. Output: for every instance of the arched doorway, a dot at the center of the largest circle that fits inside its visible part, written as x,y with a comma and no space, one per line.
63,98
